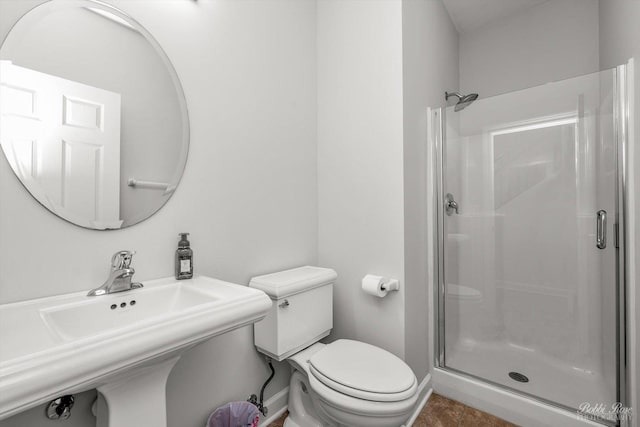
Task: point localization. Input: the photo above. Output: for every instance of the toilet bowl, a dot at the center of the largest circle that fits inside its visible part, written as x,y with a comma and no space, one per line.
346,396
345,383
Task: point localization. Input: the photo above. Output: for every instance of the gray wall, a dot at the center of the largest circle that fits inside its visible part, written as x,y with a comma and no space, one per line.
380,65
360,169
552,41
248,196
430,66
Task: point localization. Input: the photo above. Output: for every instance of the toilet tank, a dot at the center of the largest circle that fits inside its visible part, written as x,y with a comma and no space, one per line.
302,310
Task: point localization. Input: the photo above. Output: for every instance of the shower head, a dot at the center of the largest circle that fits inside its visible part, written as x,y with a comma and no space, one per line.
463,100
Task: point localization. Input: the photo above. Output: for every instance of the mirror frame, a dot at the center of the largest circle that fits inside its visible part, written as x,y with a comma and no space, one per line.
37,12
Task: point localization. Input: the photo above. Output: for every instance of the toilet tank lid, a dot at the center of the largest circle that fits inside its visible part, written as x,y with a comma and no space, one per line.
285,283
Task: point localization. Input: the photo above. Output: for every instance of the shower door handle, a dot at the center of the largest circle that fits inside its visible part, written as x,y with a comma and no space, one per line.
601,229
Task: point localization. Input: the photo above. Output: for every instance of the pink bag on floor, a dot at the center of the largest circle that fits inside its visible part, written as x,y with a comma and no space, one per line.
235,414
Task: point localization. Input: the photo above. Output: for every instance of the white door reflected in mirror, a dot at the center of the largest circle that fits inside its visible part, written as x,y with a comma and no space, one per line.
62,139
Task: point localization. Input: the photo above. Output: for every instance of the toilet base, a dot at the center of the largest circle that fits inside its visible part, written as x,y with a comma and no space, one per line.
306,409
302,412
310,408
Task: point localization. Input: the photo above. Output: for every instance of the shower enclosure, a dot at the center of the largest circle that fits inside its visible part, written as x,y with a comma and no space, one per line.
528,224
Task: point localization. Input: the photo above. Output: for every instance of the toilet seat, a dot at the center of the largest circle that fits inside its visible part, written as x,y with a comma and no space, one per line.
363,371
356,406
342,407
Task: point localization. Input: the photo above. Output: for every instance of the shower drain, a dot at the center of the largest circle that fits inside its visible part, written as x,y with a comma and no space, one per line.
517,376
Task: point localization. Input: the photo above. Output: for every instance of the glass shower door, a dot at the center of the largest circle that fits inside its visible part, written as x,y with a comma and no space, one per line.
528,289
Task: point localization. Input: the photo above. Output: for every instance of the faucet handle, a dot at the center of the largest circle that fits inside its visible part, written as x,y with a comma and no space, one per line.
122,259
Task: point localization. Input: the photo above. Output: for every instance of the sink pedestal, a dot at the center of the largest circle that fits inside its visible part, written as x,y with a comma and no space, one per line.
139,398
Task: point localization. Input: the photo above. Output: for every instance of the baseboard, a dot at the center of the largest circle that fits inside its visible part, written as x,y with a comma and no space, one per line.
424,392
276,404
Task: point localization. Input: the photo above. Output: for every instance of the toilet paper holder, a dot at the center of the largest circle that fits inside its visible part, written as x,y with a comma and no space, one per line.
379,286
390,285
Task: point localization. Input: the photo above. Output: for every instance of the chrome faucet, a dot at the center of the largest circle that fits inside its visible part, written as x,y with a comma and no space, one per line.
120,277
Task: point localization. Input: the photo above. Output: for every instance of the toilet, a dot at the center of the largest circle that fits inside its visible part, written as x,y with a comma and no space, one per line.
344,383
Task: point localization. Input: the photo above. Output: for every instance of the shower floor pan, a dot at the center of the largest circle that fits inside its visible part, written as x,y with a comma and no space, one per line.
548,378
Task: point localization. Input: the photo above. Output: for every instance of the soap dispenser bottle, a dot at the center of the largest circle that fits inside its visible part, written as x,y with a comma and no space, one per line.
184,259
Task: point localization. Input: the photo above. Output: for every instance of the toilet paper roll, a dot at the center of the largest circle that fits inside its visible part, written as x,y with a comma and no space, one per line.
372,285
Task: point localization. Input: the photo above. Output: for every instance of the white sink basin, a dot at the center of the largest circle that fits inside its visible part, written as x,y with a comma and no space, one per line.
70,343
141,306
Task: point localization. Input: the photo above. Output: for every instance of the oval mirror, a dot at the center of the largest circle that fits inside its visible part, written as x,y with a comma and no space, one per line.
93,119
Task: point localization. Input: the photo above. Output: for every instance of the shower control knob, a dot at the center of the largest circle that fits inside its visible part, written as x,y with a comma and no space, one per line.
450,204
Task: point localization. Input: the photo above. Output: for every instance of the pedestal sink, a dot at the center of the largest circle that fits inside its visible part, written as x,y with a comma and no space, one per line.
123,344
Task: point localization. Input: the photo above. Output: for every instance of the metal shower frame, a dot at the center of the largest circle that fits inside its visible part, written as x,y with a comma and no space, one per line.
438,136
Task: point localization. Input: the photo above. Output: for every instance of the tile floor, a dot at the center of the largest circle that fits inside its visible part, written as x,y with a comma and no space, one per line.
442,412
280,421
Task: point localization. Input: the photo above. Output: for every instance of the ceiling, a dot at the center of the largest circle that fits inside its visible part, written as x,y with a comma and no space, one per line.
470,15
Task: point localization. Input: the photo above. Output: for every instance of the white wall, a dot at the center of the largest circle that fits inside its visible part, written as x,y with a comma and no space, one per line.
552,41
248,195
360,164
430,66
620,41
